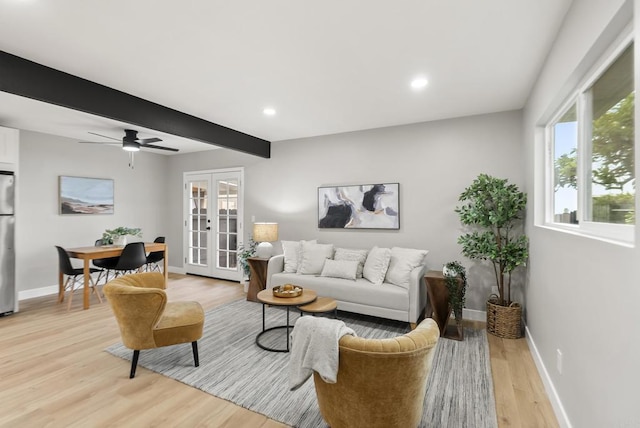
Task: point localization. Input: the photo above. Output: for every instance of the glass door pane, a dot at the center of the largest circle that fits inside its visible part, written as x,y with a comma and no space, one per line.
198,223
227,222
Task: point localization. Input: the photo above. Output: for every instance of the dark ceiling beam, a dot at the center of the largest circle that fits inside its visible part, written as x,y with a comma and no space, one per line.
26,78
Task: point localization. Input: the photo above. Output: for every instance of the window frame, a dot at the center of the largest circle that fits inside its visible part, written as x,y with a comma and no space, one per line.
580,96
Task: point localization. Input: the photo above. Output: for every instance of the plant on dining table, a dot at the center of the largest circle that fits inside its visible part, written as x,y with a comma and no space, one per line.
109,234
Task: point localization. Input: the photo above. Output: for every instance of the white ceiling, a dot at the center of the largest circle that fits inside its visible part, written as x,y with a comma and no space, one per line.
326,66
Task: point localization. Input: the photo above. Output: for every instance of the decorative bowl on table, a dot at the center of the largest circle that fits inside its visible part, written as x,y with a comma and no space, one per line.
287,290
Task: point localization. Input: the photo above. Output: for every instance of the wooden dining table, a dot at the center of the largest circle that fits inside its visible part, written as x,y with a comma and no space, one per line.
102,252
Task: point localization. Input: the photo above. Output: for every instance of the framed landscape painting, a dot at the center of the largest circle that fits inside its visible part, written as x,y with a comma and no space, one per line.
362,206
82,195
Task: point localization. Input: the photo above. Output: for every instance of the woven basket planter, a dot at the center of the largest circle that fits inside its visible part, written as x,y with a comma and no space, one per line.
504,321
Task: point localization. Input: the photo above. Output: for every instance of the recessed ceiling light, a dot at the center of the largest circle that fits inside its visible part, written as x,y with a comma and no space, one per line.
419,83
269,111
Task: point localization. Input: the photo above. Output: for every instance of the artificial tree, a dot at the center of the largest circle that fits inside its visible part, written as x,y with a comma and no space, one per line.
494,209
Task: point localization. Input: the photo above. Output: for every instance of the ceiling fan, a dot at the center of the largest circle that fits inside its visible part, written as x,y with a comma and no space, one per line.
131,142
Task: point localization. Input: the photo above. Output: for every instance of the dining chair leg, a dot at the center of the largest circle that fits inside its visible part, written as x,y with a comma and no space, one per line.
134,364
196,360
64,290
99,276
94,287
73,288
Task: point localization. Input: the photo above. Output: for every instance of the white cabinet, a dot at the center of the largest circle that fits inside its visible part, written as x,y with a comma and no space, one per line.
9,145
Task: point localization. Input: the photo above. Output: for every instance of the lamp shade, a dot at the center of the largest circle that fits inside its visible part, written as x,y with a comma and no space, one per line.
265,232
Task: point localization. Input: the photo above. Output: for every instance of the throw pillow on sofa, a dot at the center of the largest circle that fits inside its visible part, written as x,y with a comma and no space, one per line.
403,261
375,268
345,269
313,257
352,255
292,250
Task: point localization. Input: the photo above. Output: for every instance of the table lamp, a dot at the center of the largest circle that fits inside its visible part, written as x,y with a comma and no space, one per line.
265,234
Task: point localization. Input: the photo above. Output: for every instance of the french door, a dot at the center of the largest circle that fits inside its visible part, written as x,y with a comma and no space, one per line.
213,223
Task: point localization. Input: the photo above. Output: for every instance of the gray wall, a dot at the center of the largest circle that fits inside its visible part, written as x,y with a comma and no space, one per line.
433,162
581,293
140,200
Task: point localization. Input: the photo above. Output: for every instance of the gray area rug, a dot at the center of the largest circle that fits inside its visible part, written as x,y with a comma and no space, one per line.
233,367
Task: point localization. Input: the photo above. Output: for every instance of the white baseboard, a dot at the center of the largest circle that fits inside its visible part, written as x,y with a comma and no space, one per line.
53,289
175,269
37,292
474,314
554,398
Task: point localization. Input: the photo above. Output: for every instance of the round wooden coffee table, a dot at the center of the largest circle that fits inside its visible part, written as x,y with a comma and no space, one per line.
266,297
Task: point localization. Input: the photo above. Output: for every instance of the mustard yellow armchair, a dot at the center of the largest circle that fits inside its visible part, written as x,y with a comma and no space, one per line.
381,382
147,320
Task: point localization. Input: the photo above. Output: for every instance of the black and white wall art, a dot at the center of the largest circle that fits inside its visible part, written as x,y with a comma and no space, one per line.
362,206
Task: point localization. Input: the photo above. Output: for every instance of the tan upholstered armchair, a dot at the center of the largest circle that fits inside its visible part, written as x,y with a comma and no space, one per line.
147,320
381,382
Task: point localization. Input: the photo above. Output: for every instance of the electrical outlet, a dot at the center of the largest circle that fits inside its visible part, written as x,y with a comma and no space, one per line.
559,361
253,219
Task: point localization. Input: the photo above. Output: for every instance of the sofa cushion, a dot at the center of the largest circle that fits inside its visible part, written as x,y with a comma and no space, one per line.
403,261
291,250
376,265
313,257
345,269
343,290
348,254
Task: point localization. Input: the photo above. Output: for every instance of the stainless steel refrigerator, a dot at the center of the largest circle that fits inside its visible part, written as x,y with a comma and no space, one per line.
7,236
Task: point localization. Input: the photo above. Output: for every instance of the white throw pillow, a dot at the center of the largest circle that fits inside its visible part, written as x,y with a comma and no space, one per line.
375,268
291,250
345,269
313,257
348,254
403,261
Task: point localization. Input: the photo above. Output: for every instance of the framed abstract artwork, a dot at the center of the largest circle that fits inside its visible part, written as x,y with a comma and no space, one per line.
82,195
361,206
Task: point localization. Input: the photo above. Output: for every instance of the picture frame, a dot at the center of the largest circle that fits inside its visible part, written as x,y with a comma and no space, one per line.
360,206
85,195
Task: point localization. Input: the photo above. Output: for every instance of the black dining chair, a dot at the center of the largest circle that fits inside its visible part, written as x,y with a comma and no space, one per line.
133,257
107,264
65,266
155,257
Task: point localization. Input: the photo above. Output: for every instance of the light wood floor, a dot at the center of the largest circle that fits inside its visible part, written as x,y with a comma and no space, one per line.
54,372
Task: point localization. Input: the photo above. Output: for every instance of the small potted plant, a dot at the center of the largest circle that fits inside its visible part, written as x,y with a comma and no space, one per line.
243,254
493,210
455,278
118,236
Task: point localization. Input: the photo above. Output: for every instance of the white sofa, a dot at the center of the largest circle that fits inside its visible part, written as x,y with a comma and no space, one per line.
361,296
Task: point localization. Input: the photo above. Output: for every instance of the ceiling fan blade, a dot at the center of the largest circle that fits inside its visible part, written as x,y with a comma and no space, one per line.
104,136
149,140
99,142
151,146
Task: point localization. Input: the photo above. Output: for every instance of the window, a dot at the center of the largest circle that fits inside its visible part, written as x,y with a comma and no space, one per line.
590,153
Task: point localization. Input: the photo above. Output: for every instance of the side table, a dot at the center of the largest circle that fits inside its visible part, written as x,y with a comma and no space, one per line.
258,282
438,306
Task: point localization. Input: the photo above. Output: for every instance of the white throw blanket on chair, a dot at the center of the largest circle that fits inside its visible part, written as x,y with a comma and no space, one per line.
314,347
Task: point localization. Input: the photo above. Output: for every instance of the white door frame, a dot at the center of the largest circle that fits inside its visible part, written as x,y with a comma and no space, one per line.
211,242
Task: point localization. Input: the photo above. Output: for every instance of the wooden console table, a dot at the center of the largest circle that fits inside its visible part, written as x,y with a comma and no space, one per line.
438,306
258,281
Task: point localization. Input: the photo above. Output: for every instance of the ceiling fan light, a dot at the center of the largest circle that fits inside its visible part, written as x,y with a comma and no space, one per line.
130,146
